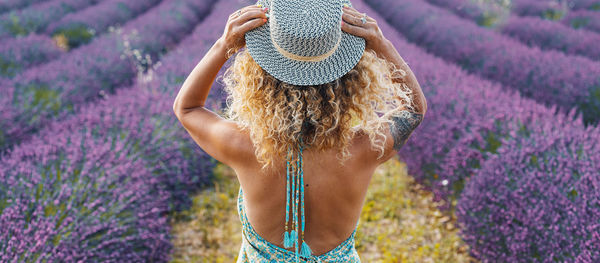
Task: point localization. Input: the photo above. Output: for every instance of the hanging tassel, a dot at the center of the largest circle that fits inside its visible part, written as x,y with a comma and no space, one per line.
306,251
293,237
287,240
296,214
294,232
296,173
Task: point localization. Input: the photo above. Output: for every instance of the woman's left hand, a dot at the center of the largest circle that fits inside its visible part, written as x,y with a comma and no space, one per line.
352,23
240,22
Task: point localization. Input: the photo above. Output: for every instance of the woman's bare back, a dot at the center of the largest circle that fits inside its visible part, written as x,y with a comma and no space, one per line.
334,196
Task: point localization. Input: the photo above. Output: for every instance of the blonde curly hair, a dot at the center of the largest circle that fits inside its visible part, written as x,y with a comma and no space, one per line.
279,114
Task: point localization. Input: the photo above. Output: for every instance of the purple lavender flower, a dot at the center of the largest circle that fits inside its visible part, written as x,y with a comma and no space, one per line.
584,4
538,198
549,76
40,94
466,117
551,35
485,13
589,20
79,28
530,30
471,128
36,17
576,14
127,150
9,5
552,9
81,198
21,53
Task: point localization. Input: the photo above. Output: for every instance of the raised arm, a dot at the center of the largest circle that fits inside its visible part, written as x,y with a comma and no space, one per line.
218,137
405,122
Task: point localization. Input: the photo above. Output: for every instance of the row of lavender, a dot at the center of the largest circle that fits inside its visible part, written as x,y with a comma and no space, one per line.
36,17
78,28
584,4
533,31
551,9
550,35
538,198
538,8
114,140
585,19
19,54
42,94
526,176
10,5
577,14
550,77
130,137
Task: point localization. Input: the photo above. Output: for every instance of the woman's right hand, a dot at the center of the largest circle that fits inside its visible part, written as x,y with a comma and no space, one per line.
240,22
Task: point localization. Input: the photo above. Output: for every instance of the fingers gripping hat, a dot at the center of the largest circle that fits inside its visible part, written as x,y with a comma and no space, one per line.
302,43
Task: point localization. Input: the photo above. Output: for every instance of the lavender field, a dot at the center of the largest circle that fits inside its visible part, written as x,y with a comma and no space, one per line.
94,164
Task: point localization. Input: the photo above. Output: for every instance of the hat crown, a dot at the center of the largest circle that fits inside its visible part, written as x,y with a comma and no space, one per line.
306,28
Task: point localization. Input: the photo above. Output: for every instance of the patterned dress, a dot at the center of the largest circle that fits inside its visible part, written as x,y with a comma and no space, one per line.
255,249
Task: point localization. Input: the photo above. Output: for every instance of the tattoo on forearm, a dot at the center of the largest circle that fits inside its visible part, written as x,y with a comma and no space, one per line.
403,126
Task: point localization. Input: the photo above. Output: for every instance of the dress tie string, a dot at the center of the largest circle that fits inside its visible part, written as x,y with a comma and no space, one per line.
295,199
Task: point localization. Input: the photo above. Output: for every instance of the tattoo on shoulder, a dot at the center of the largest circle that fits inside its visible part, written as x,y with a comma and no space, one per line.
403,125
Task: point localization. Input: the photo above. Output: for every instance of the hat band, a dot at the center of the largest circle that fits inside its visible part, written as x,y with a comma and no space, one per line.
306,58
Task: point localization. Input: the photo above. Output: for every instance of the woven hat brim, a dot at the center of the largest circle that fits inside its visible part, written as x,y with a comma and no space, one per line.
303,73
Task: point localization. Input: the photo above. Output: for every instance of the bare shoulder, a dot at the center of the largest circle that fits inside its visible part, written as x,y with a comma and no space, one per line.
220,138
241,151
365,152
395,136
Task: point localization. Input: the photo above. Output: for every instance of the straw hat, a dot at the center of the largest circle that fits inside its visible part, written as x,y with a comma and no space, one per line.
302,43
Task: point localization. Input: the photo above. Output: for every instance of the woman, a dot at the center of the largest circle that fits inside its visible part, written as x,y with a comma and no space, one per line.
317,100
